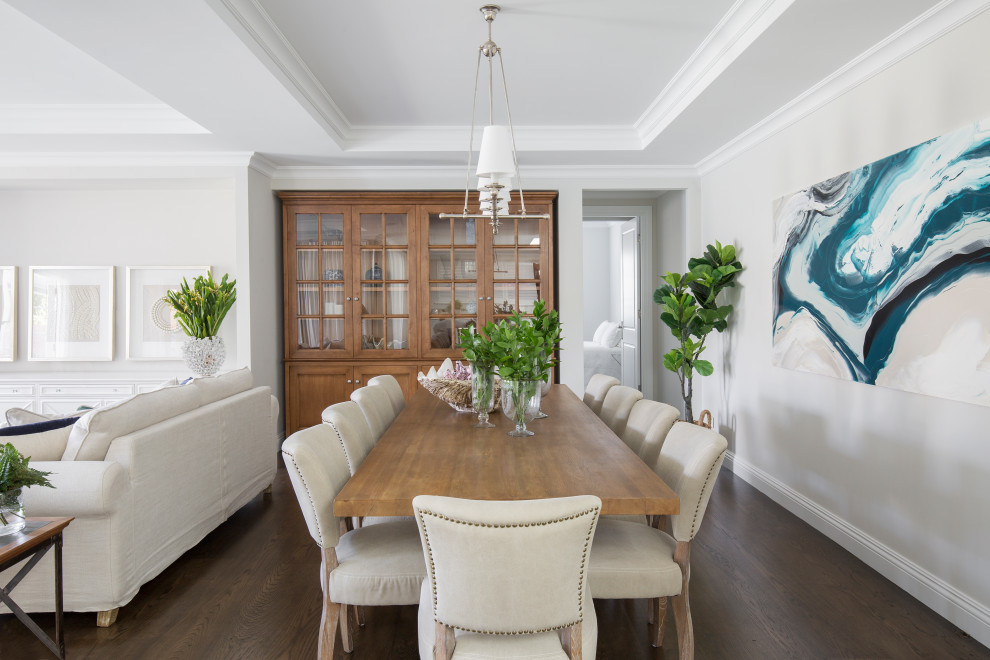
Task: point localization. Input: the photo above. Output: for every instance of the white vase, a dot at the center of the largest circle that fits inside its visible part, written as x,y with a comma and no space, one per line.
204,357
11,510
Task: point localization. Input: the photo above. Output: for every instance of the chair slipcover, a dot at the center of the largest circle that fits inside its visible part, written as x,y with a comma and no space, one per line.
394,390
507,575
596,389
352,430
377,408
647,428
617,405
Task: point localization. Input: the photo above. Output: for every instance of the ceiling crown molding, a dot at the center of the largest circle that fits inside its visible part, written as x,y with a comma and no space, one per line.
744,23
260,33
738,29
936,22
22,161
95,119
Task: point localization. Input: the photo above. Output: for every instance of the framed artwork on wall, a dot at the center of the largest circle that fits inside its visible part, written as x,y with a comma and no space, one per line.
71,313
882,273
152,331
8,313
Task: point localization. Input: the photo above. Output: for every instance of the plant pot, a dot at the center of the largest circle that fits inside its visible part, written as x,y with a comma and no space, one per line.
521,403
204,357
11,512
482,395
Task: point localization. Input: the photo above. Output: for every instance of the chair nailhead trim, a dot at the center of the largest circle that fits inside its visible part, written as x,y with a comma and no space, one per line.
340,439
542,523
694,521
319,530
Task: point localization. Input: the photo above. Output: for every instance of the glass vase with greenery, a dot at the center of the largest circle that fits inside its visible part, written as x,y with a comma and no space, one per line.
523,350
480,353
689,307
15,475
201,308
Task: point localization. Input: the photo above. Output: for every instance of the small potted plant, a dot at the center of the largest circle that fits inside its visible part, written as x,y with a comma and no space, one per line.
689,307
199,311
15,475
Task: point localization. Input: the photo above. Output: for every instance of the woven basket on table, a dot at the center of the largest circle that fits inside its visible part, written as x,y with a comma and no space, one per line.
456,393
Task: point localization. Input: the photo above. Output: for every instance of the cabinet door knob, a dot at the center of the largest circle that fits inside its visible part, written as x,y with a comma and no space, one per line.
357,380
348,380
481,297
488,298
356,299
347,298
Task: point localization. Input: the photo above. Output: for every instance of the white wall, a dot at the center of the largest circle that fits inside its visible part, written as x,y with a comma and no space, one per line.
670,256
898,478
165,223
598,276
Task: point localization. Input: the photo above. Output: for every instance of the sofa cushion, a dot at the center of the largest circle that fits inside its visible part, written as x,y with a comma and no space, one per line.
41,441
92,434
214,388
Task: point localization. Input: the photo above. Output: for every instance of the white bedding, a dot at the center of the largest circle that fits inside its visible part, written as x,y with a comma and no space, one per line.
601,360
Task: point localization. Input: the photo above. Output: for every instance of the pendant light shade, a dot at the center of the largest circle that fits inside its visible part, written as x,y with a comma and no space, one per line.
495,160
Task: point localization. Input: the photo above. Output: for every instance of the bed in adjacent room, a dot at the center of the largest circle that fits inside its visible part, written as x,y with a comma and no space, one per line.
603,354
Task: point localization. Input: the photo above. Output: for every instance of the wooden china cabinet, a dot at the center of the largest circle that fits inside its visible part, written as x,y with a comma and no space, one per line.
377,283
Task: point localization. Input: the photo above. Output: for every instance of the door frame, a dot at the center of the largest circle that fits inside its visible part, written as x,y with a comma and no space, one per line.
648,319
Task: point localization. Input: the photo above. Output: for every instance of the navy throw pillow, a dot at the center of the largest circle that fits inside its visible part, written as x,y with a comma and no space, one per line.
38,427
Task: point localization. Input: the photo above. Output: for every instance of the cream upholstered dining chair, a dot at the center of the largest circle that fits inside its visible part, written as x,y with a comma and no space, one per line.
375,565
629,560
647,427
376,406
353,432
394,390
507,579
596,389
618,403
351,427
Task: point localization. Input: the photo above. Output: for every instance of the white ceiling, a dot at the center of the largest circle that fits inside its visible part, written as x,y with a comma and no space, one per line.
320,82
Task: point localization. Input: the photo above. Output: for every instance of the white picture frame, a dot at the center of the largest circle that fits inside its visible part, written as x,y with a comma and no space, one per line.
8,313
72,312
152,332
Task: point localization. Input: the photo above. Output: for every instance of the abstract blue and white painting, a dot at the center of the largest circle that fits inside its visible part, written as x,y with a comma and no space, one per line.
882,274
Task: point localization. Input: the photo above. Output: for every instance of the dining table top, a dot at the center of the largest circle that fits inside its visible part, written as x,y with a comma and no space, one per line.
431,449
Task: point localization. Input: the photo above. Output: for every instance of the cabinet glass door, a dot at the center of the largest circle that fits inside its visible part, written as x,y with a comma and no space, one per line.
383,273
321,288
519,273
452,273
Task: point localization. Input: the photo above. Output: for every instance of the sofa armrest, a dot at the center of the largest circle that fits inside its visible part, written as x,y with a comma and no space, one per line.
82,488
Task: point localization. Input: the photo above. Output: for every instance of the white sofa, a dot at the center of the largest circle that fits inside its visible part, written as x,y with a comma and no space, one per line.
146,480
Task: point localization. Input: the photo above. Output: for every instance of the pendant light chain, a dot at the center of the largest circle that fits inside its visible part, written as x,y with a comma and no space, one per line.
474,109
512,134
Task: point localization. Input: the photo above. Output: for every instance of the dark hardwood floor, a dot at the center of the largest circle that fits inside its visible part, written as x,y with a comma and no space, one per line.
764,585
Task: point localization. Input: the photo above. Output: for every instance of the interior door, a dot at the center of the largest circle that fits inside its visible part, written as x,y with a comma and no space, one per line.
629,297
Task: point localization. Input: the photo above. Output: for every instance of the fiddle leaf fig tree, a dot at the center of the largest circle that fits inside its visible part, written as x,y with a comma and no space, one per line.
689,307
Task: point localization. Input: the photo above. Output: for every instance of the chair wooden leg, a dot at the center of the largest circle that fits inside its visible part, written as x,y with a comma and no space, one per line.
570,639
346,642
658,620
443,642
330,620
107,618
360,616
682,605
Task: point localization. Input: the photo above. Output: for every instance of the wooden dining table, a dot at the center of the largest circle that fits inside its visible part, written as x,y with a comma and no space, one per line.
431,449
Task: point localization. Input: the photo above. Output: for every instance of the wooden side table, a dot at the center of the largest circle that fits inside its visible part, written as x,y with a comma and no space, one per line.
37,537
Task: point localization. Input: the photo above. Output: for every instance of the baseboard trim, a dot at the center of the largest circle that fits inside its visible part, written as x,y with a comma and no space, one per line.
968,614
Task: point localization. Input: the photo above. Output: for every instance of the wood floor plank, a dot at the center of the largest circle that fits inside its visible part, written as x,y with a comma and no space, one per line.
764,585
